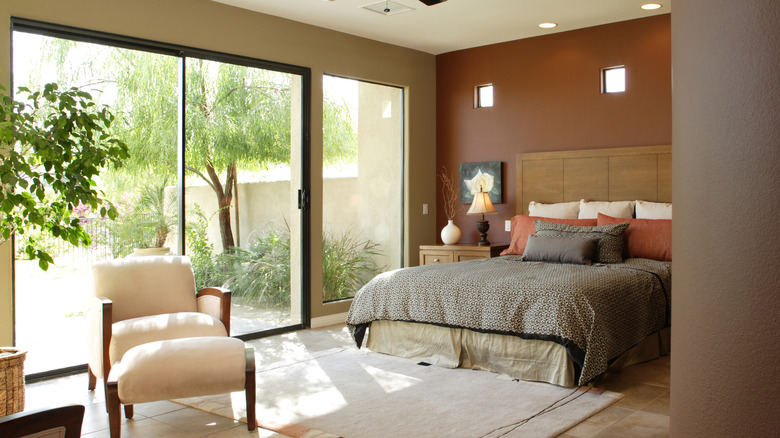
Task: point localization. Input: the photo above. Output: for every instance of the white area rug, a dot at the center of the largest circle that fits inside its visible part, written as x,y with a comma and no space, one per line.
355,393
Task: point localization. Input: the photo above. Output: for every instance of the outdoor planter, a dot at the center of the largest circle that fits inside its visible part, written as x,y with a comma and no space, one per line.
150,251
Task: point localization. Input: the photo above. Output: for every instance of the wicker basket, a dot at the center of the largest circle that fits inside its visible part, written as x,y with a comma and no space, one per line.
11,380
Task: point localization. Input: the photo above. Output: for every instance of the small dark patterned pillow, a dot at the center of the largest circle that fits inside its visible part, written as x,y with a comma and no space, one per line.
610,247
560,250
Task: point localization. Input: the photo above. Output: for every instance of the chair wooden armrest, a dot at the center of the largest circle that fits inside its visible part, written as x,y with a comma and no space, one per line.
224,296
31,423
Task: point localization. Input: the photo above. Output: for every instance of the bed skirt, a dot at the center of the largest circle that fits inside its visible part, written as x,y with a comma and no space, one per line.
525,359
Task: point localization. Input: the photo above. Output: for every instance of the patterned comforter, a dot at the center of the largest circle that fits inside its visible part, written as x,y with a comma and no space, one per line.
597,312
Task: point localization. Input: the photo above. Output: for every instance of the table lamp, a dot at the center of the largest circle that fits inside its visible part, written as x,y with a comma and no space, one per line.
482,205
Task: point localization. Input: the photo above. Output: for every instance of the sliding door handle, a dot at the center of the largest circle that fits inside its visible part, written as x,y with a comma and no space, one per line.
303,199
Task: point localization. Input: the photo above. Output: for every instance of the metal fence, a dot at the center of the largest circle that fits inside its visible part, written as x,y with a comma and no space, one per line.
104,244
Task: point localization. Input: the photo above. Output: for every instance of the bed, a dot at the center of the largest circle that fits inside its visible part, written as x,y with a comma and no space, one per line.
526,314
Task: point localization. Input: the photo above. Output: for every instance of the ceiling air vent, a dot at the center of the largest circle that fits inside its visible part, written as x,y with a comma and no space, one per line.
387,8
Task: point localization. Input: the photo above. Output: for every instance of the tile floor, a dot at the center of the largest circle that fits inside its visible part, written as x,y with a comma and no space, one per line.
643,412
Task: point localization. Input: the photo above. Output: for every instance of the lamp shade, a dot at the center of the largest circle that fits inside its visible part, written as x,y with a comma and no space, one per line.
482,204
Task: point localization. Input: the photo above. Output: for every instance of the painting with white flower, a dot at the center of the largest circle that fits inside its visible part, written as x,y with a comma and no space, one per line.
486,177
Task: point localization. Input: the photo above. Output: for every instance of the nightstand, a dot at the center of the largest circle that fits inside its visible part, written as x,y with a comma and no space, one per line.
436,254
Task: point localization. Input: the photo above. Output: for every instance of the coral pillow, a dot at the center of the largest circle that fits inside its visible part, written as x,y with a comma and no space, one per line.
523,226
645,238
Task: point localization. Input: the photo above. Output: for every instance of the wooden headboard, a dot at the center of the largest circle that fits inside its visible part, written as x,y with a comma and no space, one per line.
614,174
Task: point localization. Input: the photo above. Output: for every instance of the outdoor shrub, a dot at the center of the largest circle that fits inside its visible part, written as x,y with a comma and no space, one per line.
260,273
347,264
209,269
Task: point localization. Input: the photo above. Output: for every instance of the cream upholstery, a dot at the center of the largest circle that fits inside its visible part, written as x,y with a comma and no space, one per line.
146,299
179,368
136,331
142,286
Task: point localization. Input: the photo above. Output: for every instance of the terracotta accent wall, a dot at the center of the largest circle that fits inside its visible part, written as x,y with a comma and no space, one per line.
725,311
547,97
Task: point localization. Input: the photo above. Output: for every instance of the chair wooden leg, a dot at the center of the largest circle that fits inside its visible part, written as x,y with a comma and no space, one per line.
112,405
105,391
249,390
128,411
92,379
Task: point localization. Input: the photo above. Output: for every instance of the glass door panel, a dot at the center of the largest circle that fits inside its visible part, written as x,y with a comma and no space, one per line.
140,89
242,167
362,183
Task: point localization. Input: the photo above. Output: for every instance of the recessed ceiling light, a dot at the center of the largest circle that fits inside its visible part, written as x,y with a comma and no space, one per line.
547,25
651,6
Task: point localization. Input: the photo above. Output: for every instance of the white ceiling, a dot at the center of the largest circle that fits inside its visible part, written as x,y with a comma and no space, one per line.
454,24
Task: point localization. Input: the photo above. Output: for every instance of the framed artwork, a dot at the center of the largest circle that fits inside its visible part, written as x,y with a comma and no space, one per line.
487,176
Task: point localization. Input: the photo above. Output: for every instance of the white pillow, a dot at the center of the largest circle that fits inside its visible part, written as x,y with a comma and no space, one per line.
653,210
591,210
560,210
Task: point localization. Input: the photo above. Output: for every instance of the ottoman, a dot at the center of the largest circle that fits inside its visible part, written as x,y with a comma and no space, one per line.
179,368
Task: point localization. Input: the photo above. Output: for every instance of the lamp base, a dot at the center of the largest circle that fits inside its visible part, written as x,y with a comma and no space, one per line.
483,227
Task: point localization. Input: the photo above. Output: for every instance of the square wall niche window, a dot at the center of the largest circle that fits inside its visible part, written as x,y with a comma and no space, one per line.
613,79
484,96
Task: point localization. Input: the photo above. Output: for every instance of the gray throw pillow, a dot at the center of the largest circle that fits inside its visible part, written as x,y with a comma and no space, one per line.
560,250
610,246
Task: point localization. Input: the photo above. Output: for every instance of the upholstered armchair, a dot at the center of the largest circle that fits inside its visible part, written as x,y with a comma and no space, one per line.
138,300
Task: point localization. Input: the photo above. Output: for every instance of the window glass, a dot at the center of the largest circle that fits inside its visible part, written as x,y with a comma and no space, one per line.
484,96
362,183
614,80
143,190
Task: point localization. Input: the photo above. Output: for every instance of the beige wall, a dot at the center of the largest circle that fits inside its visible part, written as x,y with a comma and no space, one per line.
726,155
208,25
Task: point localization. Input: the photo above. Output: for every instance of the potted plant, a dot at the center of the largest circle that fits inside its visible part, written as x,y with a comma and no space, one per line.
53,145
147,221
153,211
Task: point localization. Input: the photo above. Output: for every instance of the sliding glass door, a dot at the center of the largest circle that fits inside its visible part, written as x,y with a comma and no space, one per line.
242,165
217,163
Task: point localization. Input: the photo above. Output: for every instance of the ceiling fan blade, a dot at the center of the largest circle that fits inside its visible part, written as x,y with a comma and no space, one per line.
432,2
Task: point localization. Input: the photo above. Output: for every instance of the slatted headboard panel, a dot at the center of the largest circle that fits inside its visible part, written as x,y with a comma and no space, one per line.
614,174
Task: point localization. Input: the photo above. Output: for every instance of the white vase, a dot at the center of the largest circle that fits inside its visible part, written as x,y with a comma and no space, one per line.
450,234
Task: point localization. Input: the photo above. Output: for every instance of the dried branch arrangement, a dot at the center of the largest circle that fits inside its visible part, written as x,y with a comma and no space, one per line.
450,188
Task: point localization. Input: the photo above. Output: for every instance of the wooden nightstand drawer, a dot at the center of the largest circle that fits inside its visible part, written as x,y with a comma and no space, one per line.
436,254
462,256
435,257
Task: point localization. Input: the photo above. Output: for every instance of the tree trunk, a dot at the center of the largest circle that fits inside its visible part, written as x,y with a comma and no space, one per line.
238,213
224,200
